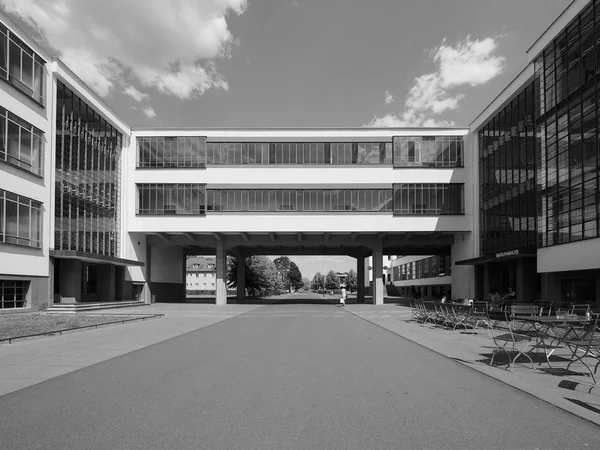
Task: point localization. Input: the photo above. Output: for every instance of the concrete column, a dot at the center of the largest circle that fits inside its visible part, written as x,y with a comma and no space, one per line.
360,280
221,275
106,282
71,273
551,289
378,287
241,277
596,307
53,270
148,271
184,276
120,284
526,279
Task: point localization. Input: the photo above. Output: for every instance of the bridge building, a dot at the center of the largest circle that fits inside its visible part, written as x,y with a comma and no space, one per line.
92,210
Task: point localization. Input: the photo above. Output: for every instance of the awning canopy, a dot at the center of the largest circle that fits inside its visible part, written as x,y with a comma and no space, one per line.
93,258
498,257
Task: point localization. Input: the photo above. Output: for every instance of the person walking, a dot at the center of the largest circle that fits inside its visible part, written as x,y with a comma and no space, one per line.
343,296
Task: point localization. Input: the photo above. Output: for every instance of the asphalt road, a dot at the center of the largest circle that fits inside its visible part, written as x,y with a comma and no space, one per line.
284,377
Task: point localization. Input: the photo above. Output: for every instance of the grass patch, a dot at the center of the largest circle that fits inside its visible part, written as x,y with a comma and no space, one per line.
16,325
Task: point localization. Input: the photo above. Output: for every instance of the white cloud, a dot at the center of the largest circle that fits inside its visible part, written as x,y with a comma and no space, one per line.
389,97
167,45
135,94
149,112
470,63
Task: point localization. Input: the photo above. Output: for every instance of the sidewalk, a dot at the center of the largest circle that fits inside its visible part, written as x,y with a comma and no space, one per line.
28,362
474,348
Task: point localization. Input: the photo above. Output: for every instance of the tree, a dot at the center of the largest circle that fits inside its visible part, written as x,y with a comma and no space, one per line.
331,281
261,276
352,280
283,267
317,281
306,284
294,276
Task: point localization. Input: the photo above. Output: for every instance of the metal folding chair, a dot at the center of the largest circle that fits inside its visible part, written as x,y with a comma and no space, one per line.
508,341
586,346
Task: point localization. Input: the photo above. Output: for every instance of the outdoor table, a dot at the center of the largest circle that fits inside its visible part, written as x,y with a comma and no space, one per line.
547,327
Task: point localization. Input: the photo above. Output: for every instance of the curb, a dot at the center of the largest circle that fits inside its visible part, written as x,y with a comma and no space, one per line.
66,330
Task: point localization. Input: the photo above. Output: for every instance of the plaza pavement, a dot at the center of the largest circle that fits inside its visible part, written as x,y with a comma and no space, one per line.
28,362
31,361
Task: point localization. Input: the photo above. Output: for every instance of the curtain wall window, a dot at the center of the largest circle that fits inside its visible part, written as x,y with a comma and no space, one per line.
21,143
21,66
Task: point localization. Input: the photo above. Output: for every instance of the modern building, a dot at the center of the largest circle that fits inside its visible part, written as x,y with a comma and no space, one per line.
91,210
538,170
430,276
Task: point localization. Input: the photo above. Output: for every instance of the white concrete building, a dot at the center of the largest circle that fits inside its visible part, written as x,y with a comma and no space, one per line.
91,210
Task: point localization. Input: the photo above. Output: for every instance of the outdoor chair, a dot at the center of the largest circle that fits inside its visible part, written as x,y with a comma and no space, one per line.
520,310
414,309
478,314
586,346
507,341
579,310
460,315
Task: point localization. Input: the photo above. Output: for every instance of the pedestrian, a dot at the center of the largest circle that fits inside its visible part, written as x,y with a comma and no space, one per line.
343,297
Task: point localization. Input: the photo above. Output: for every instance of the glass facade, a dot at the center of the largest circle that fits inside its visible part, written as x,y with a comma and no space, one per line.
13,294
566,74
21,66
507,149
21,144
172,151
429,199
20,220
88,153
292,153
325,200
432,267
428,151
171,199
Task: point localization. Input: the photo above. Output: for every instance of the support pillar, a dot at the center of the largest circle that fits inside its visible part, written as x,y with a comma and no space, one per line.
71,273
148,270
360,280
106,282
221,275
378,286
551,290
241,278
526,280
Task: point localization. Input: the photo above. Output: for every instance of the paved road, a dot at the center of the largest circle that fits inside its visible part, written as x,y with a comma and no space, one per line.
284,377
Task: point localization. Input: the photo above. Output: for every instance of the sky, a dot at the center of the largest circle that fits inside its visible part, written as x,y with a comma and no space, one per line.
291,63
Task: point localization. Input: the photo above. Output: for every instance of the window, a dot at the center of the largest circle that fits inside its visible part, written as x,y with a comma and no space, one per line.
172,151
294,153
428,151
300,200
429,199
21,66
20,220
13,294
171,199
21,144
87,184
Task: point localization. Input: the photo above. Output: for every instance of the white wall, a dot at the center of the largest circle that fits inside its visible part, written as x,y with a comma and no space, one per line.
297,222
580,255
18,260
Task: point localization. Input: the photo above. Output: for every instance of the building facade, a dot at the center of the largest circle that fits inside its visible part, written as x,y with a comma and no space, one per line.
91,210
539,170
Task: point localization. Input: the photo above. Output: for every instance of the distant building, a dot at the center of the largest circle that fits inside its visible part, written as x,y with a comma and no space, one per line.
201,273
